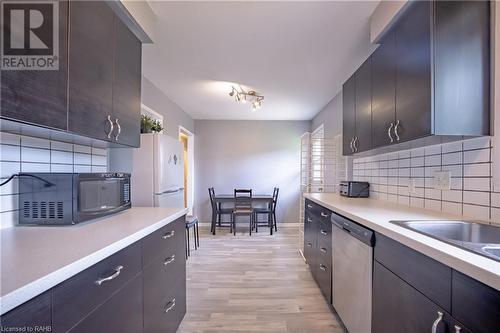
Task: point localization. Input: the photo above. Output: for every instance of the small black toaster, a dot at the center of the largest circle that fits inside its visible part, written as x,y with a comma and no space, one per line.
354,189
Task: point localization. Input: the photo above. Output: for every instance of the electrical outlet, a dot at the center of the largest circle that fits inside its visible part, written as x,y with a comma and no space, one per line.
412,186
442,180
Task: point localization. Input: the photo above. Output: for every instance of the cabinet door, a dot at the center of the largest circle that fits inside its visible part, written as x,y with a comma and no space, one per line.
413,72
90,68
34,313
349,114
39,97
384,91
397,307
121,313
127,86
363,141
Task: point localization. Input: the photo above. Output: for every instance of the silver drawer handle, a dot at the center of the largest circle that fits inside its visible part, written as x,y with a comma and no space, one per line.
112,126
168,234
119,129
323,250
309,206
169,260
309,244
171,306
113,276
458,329
323,232
324,215
309,220
389,132
351,144
322,267
437,321
396,127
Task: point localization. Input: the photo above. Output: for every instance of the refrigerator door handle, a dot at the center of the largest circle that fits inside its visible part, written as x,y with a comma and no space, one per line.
171,191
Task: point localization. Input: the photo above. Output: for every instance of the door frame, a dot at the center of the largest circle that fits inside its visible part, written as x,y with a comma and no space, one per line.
190,178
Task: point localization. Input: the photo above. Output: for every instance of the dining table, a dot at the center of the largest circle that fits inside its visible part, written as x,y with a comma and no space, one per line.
257,199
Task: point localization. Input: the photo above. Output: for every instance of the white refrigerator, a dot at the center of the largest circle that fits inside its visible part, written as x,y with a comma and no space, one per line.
158,172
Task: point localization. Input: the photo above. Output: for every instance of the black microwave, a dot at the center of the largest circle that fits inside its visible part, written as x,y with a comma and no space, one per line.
70,198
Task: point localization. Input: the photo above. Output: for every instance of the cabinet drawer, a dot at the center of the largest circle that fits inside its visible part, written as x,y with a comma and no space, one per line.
323,276
428,276
475,304
121,313
35,312
74,298
163,313
325,235
164,272
163,241
319,211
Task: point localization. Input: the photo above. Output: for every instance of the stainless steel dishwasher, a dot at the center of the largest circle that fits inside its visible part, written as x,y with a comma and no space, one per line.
352,268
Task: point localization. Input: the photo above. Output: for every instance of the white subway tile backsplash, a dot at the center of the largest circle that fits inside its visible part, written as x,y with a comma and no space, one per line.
468,161
28,154
477,170
35,155
10,153
477,156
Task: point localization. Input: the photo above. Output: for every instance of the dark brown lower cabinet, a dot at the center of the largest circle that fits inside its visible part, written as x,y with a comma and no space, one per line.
121,313
134,290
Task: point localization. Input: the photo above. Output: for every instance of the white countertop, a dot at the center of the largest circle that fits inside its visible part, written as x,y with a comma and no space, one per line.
376,214
35,259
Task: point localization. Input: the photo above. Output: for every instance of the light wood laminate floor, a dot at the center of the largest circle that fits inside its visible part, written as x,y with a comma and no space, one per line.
256,283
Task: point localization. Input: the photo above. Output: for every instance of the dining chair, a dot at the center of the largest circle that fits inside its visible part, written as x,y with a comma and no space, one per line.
242,207
218,212
192,223
270,211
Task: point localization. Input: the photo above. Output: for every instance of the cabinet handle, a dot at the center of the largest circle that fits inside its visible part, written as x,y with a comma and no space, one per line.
396,130
354,144
322,267
112,126
351,144
324,215
309,244
169,260
458,329
323,250
168,234
171,306
309,206
437,321
389,132
323,232
119,129
113,276
309,220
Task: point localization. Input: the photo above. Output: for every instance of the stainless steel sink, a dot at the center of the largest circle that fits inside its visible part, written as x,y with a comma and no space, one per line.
480,238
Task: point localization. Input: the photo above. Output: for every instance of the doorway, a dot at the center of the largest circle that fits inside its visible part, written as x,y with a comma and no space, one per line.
187,140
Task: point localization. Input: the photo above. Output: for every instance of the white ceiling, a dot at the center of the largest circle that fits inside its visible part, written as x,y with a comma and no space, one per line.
297,54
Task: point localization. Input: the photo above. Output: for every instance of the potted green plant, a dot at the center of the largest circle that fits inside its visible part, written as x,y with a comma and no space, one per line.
150,125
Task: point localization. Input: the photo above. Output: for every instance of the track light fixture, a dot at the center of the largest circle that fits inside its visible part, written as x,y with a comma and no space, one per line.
243,96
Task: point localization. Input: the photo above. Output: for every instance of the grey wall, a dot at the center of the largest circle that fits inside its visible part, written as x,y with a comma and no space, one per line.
120,159
249,154
331,117
173,115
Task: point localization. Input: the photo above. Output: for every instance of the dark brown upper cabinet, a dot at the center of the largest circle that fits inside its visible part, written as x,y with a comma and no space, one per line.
384,91
95,94
430,77
39,96
126,86
349,115
363,138
91,36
